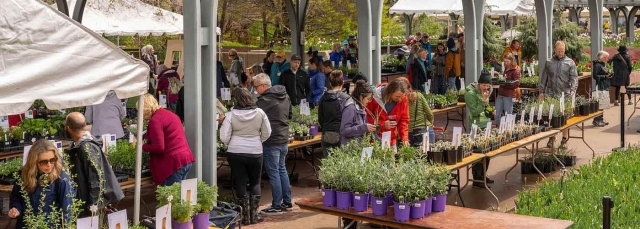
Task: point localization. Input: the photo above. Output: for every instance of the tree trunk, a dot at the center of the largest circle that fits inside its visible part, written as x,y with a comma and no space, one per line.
221,22
264,28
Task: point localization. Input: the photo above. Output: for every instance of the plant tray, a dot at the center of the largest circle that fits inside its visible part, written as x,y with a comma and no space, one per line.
486,150
302,138
7,180
121,177
526,167
131,173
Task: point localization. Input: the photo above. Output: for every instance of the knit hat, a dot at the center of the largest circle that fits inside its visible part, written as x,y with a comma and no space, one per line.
485,77
451,43
280,53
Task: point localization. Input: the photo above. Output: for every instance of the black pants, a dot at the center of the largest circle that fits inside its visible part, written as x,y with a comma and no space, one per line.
617,94
243,167
478,171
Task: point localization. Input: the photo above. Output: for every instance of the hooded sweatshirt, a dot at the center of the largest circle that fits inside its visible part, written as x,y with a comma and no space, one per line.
353,124
105,117
244,130
276,105
381,109
476,106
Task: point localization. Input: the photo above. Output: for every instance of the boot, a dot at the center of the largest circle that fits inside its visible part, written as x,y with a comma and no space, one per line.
256,217
244,203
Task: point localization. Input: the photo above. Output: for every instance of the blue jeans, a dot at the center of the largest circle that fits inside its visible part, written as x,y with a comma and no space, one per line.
503,104
178,176
452,83
274,161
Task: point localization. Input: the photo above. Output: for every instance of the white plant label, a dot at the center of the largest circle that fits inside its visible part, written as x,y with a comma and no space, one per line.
163,217
366,154
533,109
540,112
4,122
189,190
225,93
108,141
501,128
457,135
163,100
462,84
386,139
118,220
562,103
89,222
131,137
551,111
502,66
427,86
25,154
233,78
474,132
522,116
425,143
487,130
28,114
573,100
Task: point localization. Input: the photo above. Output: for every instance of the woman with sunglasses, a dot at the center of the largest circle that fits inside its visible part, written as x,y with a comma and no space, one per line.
42,175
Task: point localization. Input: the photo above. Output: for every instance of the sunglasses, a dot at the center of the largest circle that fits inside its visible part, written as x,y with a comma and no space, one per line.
45,162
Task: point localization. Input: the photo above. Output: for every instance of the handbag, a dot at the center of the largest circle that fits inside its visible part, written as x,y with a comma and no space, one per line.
415,136
603,99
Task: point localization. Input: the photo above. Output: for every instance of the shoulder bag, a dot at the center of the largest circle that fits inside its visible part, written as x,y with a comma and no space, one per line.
415,136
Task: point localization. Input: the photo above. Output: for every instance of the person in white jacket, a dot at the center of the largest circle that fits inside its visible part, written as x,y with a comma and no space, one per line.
243,130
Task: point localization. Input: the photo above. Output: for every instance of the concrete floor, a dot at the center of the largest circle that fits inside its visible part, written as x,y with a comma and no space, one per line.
601,139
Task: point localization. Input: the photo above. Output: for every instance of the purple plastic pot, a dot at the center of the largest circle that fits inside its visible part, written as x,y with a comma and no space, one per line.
417,209
428,205
201,221
439,203
390,198
379,205
360,202
185,225
313,130
343,200
401,211
328,197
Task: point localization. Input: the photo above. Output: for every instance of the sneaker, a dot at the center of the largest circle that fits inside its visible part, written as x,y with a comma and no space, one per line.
563,143
616,103
550,142
630,102
287,207
272,211
489,181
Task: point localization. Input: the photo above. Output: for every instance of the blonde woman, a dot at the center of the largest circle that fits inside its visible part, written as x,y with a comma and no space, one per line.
149,58
236,69
335,56
170,157
42,175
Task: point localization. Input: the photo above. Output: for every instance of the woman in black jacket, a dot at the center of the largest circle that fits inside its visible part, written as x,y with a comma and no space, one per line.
330,112
600,74
420,71
621,71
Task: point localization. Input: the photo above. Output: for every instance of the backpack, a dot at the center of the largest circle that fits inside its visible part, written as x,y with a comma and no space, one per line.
332,103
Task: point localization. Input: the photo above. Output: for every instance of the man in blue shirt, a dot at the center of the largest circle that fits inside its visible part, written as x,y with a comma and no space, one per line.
424,44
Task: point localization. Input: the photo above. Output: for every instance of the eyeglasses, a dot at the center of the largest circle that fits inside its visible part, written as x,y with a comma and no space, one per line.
257,86
45,162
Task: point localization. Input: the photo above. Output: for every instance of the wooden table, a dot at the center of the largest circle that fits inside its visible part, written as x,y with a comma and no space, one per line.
452,109
298,154
579,120
466,162
20,152
453,217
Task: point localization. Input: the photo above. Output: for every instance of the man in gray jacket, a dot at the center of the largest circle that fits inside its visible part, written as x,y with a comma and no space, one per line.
274,101
559,75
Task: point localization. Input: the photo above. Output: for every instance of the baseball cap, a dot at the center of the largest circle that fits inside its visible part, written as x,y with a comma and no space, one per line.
280,53
295,57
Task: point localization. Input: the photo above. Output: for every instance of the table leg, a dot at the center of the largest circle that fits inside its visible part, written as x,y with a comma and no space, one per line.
593,152
460,188
447,125
533,160
295,159
506,180
635,107
484,166
462,118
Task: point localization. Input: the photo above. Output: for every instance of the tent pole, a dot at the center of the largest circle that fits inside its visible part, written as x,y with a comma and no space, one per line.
136,200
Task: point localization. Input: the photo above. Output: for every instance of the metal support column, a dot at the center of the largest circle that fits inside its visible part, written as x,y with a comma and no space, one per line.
297,14
365,44
630,25
479,15
543,38
471,42
613,17
595,18
376,35
408,21
503,23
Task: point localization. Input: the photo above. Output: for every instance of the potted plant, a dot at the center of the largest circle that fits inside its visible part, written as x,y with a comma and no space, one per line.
449,153
418,190
17,136
328,176
380,180
402,188
441,178
481,145
361,185
7,170
181,211
567,156
312,122
435,154
556,119
344,184
207,198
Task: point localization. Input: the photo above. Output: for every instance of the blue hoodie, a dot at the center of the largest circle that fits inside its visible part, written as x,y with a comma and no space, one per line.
276,69
317,85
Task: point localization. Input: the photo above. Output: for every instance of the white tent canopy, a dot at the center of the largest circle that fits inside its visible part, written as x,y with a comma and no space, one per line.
46,55
492,7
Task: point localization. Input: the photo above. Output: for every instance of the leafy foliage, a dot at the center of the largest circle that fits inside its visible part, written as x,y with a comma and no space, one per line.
578,196
207,197
492,46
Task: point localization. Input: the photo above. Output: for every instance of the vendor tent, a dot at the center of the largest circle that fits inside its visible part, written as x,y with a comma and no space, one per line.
46,55
129,17
493,7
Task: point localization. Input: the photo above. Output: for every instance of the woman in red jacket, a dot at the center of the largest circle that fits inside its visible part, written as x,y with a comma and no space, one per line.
390,109
170,157
507,92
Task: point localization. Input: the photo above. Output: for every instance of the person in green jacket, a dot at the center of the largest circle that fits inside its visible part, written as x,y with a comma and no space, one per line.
278,67
420,117
477,99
